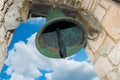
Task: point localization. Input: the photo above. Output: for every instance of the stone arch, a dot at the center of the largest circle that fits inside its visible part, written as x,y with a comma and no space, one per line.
102,20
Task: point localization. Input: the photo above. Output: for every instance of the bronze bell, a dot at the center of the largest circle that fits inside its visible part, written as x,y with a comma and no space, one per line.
60,36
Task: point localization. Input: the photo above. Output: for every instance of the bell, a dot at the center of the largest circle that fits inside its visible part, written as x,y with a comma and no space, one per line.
60,36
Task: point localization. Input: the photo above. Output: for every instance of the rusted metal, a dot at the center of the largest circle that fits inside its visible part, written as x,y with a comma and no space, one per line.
116,1
60,36
41,8
62,47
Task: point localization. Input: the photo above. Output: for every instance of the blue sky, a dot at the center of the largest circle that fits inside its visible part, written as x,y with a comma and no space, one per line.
24,62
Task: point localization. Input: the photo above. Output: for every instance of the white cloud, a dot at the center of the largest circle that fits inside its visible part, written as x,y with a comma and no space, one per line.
35,20
25,61
72,70
95,78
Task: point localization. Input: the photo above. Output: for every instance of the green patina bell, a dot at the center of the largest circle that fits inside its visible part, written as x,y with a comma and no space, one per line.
60,36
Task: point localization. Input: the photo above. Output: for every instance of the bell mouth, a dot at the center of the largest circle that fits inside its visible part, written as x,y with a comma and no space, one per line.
73,37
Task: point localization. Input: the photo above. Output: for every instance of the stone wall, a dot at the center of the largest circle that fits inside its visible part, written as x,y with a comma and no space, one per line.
5,35
9,13
105,51
101,17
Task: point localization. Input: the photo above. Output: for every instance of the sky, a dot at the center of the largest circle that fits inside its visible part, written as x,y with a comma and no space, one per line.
24,62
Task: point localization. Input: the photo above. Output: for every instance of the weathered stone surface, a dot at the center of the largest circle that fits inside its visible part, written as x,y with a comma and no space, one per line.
94,45
114,55
0,18
12,14
1,66
106,46
1,4
90,54
114,76
4,48
2,33
8,37
4,6
1,55
105,3
94,4
119,68
77,4
3,10
90,5
99,13
102,67
111,22
85,4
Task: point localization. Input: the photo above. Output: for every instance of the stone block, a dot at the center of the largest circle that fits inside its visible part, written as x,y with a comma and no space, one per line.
1,4
2,33
119,68
94,45
1,17
1,54
102,67
4,49
90,54
106,46
0,67
99,12
111,22
90,5
105,3
8,37
77,4
114,76
85,4
12,14
114,55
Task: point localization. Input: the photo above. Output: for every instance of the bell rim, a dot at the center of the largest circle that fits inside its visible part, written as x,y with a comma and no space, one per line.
42,51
